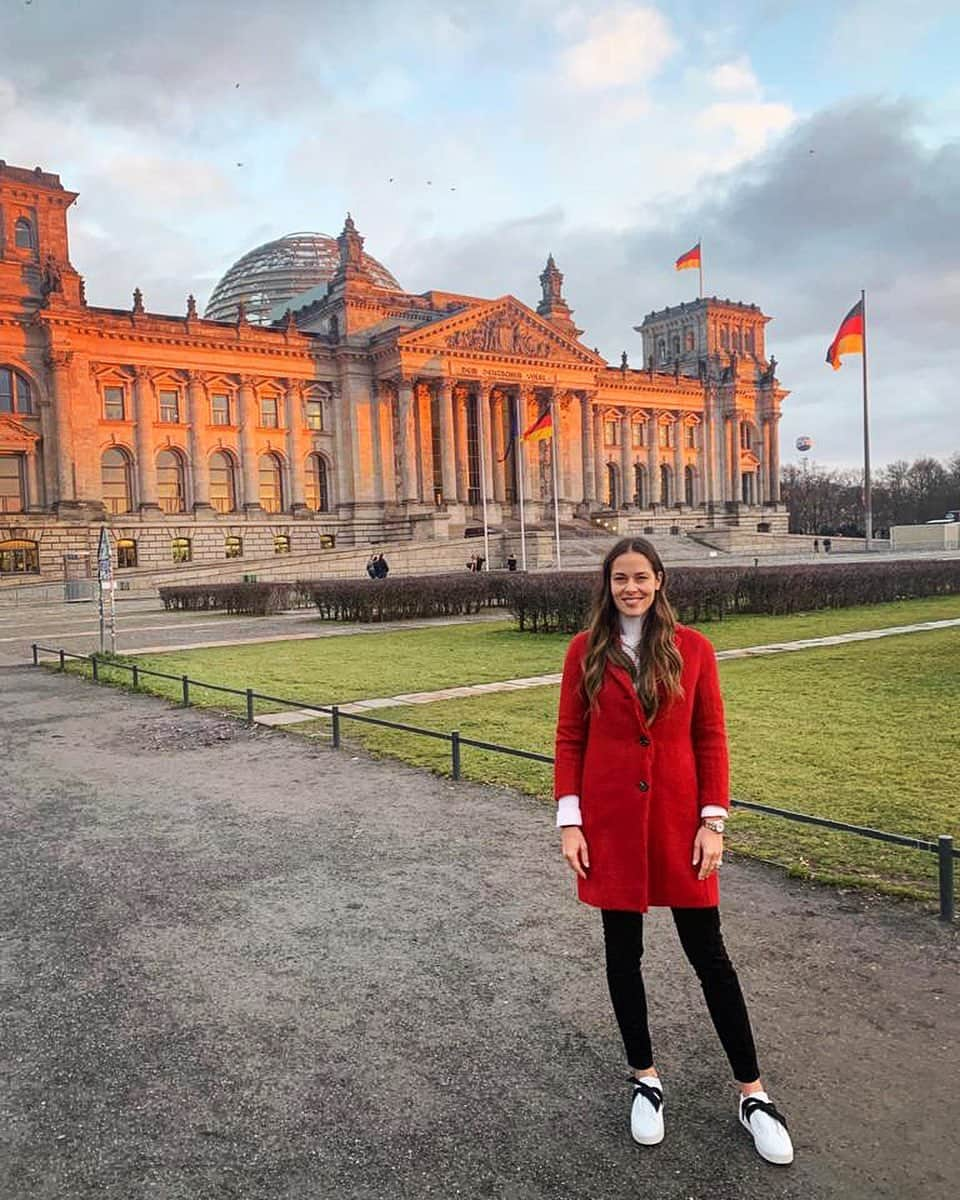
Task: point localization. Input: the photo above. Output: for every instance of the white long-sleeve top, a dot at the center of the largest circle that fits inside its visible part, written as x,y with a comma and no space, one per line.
568,807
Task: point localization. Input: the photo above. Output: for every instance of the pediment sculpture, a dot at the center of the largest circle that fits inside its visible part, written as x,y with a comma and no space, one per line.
504,333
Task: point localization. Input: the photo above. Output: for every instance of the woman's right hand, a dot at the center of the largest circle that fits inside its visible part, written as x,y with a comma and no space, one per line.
574,848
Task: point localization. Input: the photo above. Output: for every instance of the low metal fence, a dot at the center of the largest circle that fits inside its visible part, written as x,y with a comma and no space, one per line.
943,847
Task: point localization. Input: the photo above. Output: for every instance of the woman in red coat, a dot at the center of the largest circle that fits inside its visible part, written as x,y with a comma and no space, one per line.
641,782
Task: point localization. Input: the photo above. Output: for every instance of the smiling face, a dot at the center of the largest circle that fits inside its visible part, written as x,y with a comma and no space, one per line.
633,583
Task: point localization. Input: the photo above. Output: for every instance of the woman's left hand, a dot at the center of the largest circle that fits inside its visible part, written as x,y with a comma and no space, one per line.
707,851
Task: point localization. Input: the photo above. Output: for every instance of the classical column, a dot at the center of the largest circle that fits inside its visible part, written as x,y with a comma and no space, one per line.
626,462
600,459
196,415
448,450
679,481
59,363
296,447
773,457
408,442
424,442
144,415
736,486
249,467
498,437
460,402
653,459
588,448
529,411
34,496
484,434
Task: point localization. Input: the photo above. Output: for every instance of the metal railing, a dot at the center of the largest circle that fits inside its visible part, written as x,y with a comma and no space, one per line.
943,847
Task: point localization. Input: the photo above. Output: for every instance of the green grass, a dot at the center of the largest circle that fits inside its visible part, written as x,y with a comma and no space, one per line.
865,733
354,667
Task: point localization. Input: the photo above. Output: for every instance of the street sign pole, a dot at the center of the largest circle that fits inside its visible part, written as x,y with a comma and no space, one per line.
108,613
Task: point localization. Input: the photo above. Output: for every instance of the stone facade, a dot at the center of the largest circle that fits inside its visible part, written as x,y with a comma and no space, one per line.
367,414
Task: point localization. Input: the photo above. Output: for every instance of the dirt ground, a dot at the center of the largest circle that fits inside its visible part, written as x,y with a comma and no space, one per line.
237,964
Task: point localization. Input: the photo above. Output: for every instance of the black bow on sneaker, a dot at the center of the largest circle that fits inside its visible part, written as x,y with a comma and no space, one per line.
750,1105
652,1094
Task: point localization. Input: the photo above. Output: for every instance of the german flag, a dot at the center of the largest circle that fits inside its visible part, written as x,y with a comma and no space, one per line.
541,429
849,339
689,260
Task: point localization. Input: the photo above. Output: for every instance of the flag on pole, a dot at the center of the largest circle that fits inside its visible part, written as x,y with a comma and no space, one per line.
512,438
690,260
849,339
541,429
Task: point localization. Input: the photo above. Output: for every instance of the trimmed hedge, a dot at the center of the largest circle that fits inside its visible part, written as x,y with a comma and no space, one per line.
407,597
247,599
561,602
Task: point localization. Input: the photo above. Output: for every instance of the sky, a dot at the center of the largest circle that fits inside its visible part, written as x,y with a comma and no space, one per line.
814,148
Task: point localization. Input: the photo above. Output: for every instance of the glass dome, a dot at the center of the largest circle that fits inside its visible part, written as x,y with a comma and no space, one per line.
277,271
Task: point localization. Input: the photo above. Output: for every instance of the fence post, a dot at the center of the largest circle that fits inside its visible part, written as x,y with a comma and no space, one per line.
455,753
63,661
335,725
94,668
249,706
186,691
36,654
136,676
945,844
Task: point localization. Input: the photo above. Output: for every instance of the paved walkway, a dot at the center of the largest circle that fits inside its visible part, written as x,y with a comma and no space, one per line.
239,965
299,715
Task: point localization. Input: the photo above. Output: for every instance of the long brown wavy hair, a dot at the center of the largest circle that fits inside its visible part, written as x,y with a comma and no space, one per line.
656,674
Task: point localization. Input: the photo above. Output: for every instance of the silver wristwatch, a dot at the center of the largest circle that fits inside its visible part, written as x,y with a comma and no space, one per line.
717,824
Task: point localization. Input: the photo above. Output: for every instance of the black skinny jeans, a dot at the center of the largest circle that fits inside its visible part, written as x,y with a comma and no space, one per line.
699,930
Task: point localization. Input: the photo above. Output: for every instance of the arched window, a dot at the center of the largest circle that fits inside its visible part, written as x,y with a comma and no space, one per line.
281,543
171,483
271,483
181,550
223,482
662,350
15,393
639,486
690,340
666,484
23,237
748,343
126,552
316,490
676,346
233,547
688,486
611,486
724,337
116,481
19,557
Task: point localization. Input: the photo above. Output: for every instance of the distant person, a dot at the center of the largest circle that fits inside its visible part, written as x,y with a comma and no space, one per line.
511,562
816,545
382,566
472,563
480,561
642,787
372,566
826,545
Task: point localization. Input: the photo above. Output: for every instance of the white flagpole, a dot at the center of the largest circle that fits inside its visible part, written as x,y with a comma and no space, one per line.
518,450
554,449
481,437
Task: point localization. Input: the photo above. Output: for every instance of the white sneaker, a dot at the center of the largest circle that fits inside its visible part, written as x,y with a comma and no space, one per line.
759,1116
646,1112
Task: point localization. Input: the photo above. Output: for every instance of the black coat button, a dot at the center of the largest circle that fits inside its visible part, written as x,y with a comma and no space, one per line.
643,740
643,785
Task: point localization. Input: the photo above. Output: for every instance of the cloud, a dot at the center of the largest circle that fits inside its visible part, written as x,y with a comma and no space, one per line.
621,45
736,77
748,126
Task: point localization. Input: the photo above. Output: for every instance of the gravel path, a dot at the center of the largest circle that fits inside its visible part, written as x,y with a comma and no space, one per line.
239,964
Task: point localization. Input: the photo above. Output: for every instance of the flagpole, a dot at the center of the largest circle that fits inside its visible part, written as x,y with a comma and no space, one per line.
554,449
700,264
519,450
867,498
481,437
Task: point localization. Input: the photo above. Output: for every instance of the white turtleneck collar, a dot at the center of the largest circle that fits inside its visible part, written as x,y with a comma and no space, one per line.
631,630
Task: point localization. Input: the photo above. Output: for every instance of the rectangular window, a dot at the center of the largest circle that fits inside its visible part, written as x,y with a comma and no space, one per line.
113,404
665,437
219,409
234,547
611,433
268,412
181,550
691,436
639,428
315,415
281,544
11,483
169,406
126,553
744,436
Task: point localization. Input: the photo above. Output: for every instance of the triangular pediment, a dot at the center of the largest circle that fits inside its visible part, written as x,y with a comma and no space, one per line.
503,328
14,436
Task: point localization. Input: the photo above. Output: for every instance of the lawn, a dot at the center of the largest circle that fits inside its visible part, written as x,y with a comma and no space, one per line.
865,733
341,669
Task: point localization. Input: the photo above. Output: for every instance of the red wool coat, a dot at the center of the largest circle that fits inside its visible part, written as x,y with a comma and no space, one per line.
642,784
